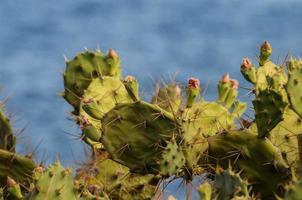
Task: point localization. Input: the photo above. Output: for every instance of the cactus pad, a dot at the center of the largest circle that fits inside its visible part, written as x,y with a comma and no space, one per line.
294,85
136,134
269,107
83,69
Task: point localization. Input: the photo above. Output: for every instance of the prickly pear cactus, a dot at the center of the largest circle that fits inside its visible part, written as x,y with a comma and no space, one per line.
136,134
168,97
100,97
244,151
7,138
116,180
230,185
54,183
294,85
15,166
269,107
84,68
205,191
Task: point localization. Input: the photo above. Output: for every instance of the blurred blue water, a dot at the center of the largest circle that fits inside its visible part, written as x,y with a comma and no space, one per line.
154,39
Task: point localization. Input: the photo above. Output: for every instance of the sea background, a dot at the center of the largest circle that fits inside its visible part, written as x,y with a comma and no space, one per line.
154,38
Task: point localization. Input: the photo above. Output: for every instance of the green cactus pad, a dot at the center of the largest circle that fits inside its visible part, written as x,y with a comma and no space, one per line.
15,166
294,85
172,159
249,74
205,119
230,185
7,138
82,70
284,135
117,181
101,96
269,107
136,134
168,97
54,183
260,161
205,191
293,191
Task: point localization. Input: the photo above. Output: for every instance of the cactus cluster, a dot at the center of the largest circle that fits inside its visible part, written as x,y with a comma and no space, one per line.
139,145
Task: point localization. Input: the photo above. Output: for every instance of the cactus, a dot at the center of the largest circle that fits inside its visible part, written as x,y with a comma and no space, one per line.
293,86
205,191
248,71
14,189
116,180
7,139
84,68
192,91
132,86
230,185
168,97
139,146
15,166
245,151
269,107
135,135
54,183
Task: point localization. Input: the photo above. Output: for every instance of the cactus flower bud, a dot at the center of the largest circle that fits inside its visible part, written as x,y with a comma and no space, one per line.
265,52
234,84
246,63
129,79
132,87
193,83
10,182
112,53
266,47
225,78
193,90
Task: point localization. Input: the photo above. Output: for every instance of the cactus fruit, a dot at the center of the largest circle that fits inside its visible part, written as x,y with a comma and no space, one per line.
294,85
227,91
269,107
84,68
132,86
192,91
14,189
136,134
7,138
168,97
248,71
265,52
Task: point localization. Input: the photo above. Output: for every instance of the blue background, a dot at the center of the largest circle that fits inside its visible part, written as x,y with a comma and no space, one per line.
154,38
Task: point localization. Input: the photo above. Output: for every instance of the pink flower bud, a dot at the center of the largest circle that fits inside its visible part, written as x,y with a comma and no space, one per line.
234,84
129,78
193,83
246,63
266,46
225,78
112,53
